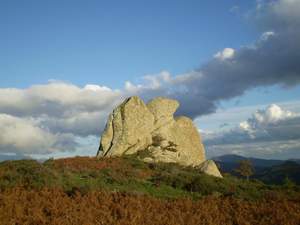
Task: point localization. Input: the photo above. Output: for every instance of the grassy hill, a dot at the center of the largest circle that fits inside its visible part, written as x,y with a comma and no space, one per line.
85,190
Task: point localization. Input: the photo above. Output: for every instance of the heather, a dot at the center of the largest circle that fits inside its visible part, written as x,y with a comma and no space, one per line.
125,190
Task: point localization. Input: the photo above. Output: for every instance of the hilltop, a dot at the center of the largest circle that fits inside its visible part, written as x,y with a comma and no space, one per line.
126,190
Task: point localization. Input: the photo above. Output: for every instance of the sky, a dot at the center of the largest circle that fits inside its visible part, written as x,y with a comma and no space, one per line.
109,42
233,65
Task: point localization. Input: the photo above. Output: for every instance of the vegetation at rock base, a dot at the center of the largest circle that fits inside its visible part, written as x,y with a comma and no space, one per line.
84,190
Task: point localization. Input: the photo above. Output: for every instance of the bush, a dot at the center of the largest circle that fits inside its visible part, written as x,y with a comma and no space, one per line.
25,173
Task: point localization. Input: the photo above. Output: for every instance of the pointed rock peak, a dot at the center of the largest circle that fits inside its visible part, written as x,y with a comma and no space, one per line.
162,107
133,100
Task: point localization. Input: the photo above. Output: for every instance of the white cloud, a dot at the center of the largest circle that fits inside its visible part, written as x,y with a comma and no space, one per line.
271,115
48,118
131,88
227,53
25,136
81,123
55,99
268,131
96,88
266,35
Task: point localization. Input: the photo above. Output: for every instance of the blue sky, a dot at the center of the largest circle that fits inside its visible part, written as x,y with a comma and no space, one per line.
65,64
109,42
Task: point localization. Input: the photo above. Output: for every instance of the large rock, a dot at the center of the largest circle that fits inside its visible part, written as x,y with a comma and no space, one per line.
152,132
127,129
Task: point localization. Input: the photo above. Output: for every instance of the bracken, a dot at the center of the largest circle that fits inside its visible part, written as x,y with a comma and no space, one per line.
54,206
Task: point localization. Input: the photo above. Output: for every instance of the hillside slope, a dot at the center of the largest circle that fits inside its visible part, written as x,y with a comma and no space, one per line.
85,190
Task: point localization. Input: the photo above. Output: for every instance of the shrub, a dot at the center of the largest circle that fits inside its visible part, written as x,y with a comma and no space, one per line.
26,173
54,206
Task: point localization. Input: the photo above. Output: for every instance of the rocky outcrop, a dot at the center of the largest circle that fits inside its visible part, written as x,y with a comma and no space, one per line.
152,132
209,167
127,129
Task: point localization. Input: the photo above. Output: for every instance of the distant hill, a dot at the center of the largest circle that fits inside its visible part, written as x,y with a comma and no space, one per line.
268,170
279,173
257,162
5,157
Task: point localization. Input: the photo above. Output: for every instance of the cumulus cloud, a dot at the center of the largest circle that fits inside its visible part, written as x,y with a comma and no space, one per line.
48,118
268,131
55,99
227,53
61,105
266,35
25,136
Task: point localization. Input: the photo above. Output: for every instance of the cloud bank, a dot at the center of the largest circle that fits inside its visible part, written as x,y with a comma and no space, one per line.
48,118
272,60
269,132
23,136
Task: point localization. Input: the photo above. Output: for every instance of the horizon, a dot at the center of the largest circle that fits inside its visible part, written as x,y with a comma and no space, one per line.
233,68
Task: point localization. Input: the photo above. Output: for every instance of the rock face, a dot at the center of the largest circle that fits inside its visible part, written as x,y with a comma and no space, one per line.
152,132
127,129
209,167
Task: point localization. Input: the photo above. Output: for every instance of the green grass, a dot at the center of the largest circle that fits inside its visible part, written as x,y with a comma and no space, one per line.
128,174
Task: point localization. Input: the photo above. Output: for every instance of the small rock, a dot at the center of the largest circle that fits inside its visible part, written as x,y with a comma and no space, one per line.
209,167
